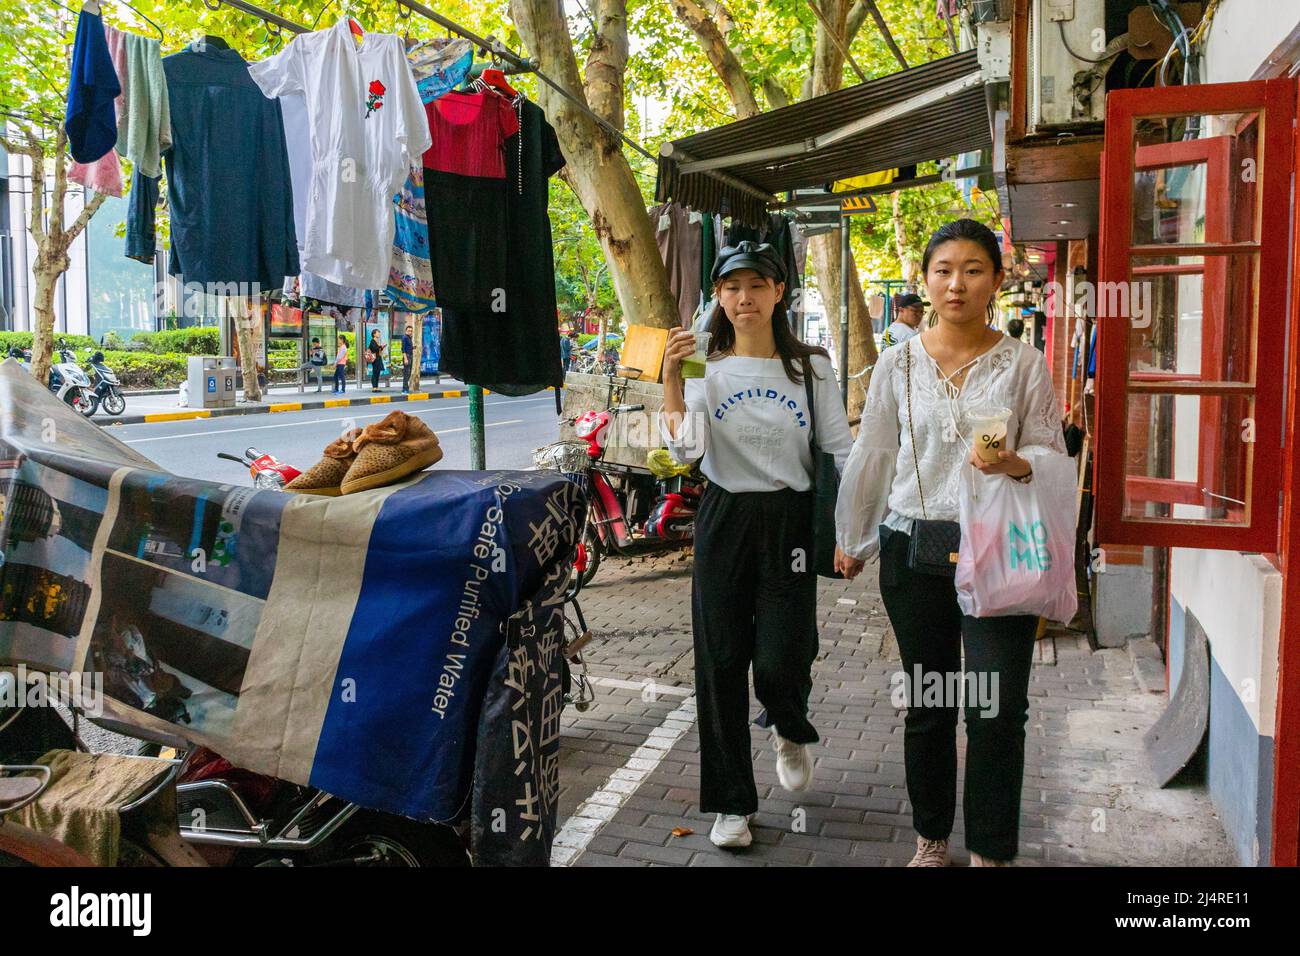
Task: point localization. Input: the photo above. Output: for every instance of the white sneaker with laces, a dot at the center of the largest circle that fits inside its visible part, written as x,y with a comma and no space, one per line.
930,853
794,766
731,830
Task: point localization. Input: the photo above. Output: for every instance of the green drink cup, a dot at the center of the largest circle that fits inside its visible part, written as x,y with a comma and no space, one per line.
693,364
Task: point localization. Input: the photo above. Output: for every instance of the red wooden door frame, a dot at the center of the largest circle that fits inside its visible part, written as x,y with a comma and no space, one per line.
1286,725
1276,100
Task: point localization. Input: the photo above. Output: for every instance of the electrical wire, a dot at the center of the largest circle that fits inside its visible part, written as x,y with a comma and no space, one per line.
1060,25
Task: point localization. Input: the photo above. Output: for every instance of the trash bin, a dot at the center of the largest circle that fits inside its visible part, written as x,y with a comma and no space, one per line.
204,381
226,382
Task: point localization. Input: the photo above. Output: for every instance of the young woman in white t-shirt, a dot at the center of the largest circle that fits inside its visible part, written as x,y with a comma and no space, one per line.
754,591
905,466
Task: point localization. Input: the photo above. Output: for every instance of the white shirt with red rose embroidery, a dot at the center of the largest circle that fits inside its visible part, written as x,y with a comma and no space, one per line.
367,128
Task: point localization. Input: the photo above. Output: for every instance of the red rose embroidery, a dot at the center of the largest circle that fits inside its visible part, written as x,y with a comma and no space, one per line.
375,97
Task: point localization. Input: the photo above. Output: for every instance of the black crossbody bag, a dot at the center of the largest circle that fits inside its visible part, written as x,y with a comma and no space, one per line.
826,488
934,544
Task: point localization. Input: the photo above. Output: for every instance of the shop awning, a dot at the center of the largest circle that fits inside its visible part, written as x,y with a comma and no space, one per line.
925,113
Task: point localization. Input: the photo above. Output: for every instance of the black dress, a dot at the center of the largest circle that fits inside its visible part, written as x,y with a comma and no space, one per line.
515,349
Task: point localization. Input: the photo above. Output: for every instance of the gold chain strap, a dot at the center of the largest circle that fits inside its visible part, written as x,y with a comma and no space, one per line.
911,432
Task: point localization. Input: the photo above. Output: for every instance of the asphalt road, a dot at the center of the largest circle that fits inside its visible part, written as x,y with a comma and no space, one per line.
513,428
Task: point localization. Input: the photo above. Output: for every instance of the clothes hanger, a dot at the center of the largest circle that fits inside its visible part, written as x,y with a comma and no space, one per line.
93,6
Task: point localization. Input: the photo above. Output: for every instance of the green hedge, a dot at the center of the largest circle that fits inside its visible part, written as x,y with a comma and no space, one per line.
198,340
24,341
147,370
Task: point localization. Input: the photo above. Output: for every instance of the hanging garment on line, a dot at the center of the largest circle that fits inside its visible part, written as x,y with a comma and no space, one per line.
297,137
144,128
142,217
228,185
105,174
679,233
91,119
366,128
465,192
516,351
437,69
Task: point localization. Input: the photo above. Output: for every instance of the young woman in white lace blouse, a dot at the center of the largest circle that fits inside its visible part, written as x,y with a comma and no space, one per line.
905,467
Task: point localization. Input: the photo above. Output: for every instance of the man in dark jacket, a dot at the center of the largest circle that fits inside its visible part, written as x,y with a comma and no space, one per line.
410,373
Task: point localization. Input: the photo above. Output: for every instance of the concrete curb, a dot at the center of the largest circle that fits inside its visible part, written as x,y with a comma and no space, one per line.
272,407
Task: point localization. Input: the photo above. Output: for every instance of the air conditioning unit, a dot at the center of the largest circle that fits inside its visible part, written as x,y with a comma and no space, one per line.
988,11
993,47
1063,89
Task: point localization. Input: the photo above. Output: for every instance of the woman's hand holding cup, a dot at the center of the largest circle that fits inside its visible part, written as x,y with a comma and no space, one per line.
681,346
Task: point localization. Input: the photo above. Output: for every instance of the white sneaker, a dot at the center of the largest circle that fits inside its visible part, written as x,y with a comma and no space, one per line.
794,766
731,830
931,853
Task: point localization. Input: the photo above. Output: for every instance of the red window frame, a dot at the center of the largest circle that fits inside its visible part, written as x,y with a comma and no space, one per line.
1274,100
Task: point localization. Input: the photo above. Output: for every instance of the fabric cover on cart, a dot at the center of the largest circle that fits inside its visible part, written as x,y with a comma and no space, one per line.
347,643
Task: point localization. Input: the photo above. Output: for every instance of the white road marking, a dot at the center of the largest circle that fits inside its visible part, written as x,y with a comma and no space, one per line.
313,421
601,807
669,690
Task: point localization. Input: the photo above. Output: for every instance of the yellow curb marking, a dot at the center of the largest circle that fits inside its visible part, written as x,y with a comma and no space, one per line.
417,396
374,399
337,402
177,416
287,407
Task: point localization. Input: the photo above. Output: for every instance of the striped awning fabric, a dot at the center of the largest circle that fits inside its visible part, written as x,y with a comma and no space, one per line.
945,125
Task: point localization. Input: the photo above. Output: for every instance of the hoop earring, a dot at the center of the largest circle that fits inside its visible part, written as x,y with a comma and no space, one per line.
992,311
932,319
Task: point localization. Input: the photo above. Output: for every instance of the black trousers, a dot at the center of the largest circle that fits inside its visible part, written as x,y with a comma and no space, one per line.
931,629
753,600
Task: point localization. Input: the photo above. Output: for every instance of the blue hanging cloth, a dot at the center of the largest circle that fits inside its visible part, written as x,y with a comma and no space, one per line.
91,119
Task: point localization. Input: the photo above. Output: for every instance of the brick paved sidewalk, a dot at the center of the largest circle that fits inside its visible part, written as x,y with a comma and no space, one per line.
629,766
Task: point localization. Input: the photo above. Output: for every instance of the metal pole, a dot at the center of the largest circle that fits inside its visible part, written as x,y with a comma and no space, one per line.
844,309
477,450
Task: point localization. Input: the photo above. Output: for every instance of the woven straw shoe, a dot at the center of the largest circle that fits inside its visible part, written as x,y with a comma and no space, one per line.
389,451
324,477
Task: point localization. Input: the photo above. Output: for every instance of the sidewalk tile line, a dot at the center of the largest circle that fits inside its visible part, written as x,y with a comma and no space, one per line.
601,807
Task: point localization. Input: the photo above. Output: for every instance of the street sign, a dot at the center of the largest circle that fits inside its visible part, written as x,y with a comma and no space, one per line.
857,204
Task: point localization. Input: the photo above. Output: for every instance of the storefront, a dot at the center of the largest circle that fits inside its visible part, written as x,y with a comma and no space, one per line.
1181,251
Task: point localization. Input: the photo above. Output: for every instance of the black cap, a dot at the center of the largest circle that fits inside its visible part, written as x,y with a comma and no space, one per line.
759,256
907,299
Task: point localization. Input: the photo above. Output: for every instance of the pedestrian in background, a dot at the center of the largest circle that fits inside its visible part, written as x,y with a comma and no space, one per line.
921,407
341,366
754,585
1016,328
907,319
409,373
567,344
375,356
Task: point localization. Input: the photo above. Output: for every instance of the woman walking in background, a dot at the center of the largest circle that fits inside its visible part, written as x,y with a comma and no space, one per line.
341,366
901,483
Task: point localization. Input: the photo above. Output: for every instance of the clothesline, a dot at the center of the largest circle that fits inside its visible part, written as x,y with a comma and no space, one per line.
489,44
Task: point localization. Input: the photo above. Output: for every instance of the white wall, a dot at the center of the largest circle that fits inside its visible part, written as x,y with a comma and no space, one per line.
1243,34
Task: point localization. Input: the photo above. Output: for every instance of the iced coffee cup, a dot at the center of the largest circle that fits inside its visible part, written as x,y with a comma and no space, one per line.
693,364
989,432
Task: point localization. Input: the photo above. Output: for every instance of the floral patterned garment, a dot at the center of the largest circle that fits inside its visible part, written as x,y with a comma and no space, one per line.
879,484
438,67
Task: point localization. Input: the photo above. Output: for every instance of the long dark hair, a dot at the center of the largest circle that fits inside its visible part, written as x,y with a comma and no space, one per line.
790,349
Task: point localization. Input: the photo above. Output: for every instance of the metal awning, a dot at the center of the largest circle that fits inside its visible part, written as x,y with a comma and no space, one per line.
925,113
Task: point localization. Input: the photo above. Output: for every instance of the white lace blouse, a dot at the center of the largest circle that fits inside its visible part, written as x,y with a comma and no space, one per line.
879,484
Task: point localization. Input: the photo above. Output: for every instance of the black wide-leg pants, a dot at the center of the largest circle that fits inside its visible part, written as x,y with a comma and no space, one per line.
931,630
753,601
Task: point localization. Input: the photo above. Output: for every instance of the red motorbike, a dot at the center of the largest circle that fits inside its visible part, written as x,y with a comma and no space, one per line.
631,511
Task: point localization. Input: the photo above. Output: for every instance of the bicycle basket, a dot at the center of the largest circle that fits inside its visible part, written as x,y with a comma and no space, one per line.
567,457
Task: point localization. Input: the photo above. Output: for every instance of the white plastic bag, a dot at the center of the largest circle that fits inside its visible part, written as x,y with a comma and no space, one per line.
1017,542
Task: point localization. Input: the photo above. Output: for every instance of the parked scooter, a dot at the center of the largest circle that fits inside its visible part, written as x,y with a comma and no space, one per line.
70,383
107,389
632,511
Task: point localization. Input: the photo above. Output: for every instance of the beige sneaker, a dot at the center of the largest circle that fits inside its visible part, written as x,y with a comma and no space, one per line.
325,477
931,853
977,860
